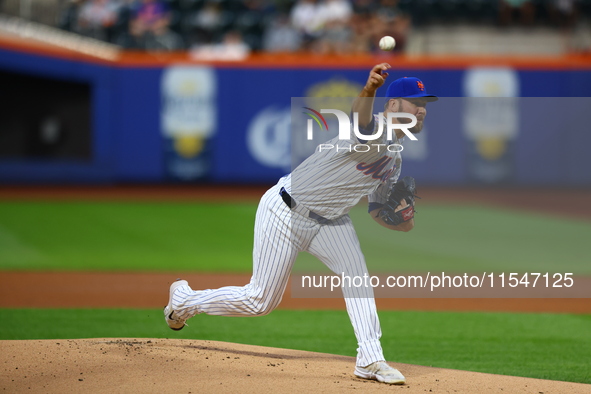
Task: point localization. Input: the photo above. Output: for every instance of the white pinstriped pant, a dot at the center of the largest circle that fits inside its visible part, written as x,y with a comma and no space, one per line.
279,236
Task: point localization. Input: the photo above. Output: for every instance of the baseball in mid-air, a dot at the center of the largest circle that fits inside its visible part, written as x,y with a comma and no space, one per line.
387,43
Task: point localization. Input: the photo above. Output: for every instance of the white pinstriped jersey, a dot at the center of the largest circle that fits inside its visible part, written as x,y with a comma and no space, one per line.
331,181
328,183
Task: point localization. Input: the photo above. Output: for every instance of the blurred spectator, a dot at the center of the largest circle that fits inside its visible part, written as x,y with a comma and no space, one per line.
335,38
388,10
96,18
324,25
401,30
563,13
581,39
523,9
335,32
361,33
161,38
377,28
363,7
390,21
232,48
334,11
68,18
124,17
251,21
207,23
150,14
149,29
280,36
304,17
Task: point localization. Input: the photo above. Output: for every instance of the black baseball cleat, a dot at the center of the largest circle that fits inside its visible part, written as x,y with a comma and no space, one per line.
174,322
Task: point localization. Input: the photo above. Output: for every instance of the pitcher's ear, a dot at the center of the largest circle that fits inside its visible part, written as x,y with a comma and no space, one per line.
392,104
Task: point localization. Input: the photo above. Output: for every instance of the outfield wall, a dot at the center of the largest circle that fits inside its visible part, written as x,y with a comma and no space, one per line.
143,126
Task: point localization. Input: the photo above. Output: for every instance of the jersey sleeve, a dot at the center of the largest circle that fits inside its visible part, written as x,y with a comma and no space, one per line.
369,129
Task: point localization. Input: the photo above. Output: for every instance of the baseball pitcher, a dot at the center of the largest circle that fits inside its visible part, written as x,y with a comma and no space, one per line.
307,210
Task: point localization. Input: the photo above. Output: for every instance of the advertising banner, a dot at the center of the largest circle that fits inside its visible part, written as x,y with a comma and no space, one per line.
231,124
189,121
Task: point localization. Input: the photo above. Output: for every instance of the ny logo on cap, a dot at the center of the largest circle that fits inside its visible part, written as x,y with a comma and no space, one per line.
421,86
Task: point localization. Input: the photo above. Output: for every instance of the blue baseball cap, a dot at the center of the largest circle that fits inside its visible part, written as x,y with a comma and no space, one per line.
409,87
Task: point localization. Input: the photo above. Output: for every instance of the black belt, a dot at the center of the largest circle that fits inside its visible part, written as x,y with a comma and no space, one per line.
290,202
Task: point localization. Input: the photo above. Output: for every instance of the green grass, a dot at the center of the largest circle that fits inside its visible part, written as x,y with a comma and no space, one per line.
548,346
126,236
474,239
219,237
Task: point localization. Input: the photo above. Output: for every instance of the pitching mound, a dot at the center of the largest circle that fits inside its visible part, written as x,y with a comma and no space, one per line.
191,366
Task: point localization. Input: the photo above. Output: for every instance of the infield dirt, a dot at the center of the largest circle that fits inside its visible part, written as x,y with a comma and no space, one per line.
190,366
